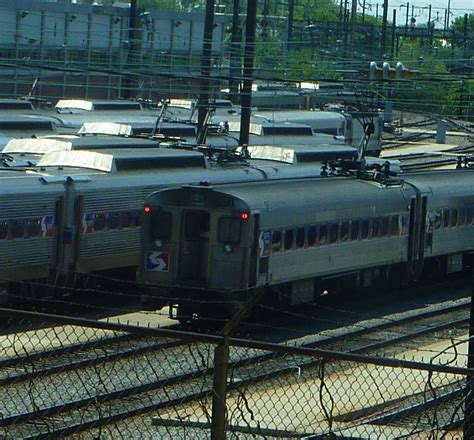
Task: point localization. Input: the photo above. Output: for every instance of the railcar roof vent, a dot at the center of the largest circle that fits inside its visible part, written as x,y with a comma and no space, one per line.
182,103
38,146
15,104
267,152
124,159
67,105
26,123
110,128
287,129
77,159
253,129
301,154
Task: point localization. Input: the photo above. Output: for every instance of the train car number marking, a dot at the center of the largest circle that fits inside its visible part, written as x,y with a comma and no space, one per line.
157,261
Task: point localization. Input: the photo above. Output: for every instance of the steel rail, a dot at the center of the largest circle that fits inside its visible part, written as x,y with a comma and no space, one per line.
394,416
41,372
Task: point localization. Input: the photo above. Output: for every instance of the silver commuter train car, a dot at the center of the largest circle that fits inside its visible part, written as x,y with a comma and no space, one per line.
301,238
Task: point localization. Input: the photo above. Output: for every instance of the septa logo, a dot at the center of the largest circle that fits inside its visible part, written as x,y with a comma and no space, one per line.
157,261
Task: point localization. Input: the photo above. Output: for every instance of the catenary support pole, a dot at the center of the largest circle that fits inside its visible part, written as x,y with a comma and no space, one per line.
353,22
246,98
133,51
394,34
203,100
406,20
291,13
383,45
235,61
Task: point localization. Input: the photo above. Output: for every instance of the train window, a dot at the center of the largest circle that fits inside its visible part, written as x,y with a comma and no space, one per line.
126,218
333,232
469,212
364,229
3,229
375,227
17,228
446,218
344,231
289,238
34,227
99,222
136,217
394,225
437,219
348,125
113,220
229,229
160,224
323,235
354,230
300,236
461,216
276,241
196,224
405,223
384,226
454,218
311,235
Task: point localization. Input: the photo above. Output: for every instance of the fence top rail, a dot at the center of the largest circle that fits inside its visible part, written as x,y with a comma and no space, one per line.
245,343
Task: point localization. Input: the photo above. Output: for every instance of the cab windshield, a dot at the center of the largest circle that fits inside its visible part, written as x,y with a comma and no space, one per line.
160,224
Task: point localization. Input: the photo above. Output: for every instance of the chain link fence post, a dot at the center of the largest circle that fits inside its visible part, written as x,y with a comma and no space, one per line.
219,389
469,403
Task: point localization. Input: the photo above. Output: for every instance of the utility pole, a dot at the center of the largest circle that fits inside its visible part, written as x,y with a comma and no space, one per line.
341,3
133,50
353,22
291,13
346,19
430,35
246,99
235,43
464,37
203,102
448,13
363,11
384,28
406,22
394,30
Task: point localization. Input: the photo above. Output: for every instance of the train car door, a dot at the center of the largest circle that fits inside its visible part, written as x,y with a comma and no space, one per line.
255,251
417,235
194,249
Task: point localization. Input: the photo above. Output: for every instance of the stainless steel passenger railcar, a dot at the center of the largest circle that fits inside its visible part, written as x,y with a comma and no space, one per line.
301,238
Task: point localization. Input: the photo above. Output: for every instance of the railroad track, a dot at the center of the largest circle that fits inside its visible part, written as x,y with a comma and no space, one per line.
422,161
61,411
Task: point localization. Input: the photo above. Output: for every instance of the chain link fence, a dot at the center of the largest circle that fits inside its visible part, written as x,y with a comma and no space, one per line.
63,377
